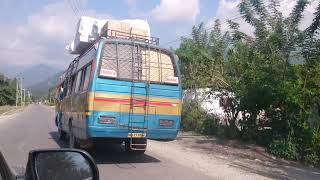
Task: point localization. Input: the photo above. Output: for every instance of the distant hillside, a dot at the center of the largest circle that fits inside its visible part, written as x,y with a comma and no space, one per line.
36,74
10,71
41,88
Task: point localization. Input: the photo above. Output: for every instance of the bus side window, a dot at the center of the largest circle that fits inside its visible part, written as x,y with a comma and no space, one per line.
65,89
73,80
83,75
77,82
69,87
74,83
86,78
60,92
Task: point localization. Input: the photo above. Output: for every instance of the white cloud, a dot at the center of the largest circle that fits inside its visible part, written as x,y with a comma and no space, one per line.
54,21
227,9
44,31
131,2
42,37
308,15
176,10
286,7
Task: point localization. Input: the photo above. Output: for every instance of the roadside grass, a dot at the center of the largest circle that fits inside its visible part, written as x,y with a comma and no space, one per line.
7,110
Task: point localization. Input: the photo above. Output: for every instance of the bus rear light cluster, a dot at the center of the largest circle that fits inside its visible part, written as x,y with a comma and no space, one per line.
106,120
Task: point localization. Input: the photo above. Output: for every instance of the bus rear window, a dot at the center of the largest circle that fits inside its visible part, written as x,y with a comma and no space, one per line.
126,61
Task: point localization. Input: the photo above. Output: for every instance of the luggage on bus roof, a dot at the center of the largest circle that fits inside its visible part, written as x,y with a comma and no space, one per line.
89,29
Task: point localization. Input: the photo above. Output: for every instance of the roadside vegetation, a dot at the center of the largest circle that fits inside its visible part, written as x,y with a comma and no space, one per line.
51,99
4,109
7,95
7,91
275,73
8,110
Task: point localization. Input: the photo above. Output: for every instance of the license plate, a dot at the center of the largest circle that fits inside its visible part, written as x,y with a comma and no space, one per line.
136,135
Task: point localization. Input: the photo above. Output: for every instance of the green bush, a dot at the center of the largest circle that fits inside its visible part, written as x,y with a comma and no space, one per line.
310,150
284,148
312,159
192,116
210,126
7,91
263,137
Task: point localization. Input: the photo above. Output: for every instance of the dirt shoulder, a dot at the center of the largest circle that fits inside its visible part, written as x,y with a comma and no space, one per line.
229,159
8,110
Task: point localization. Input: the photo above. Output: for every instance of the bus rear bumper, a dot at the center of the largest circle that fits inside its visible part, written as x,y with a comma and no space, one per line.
113,132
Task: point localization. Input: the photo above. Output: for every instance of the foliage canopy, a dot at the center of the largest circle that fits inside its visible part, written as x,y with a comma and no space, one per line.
7,91
275,73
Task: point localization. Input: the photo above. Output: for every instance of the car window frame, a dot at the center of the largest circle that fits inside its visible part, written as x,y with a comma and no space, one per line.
5,171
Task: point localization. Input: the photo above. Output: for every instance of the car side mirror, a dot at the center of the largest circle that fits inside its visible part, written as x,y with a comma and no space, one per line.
59,164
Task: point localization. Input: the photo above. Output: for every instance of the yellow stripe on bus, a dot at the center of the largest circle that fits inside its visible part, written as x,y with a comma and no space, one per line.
86,102
175,109
127,96
118,107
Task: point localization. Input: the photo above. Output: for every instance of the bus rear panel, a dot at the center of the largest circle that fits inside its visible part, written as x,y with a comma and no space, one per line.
135,92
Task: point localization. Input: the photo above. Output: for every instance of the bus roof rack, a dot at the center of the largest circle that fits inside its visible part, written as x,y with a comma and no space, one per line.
114,34
109,33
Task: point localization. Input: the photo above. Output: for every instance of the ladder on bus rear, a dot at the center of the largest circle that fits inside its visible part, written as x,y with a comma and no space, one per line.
140,80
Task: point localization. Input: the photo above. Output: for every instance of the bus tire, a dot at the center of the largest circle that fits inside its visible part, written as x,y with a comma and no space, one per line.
56,121
86,145
61,134
137,141
72,139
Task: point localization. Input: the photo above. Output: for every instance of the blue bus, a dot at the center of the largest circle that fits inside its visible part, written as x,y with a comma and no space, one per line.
124,89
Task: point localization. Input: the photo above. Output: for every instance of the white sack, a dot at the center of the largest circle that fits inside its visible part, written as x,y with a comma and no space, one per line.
89,29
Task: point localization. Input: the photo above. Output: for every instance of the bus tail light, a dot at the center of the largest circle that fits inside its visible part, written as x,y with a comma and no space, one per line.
165,122
106,120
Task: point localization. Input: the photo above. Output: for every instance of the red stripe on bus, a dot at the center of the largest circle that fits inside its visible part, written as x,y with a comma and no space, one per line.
127,101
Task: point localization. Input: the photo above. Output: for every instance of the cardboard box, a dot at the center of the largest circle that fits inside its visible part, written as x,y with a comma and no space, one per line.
121,29
167,69
160,65
140,33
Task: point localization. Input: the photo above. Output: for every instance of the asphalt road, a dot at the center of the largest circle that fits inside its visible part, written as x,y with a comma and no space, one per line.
34,129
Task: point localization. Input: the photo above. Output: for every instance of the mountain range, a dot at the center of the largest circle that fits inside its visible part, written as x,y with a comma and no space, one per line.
36,74
40,89
37,78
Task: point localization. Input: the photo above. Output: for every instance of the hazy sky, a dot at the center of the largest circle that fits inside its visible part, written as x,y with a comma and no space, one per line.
36,32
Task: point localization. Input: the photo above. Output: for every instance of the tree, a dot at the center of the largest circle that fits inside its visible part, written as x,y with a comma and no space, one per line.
7,91
268,89
51,96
